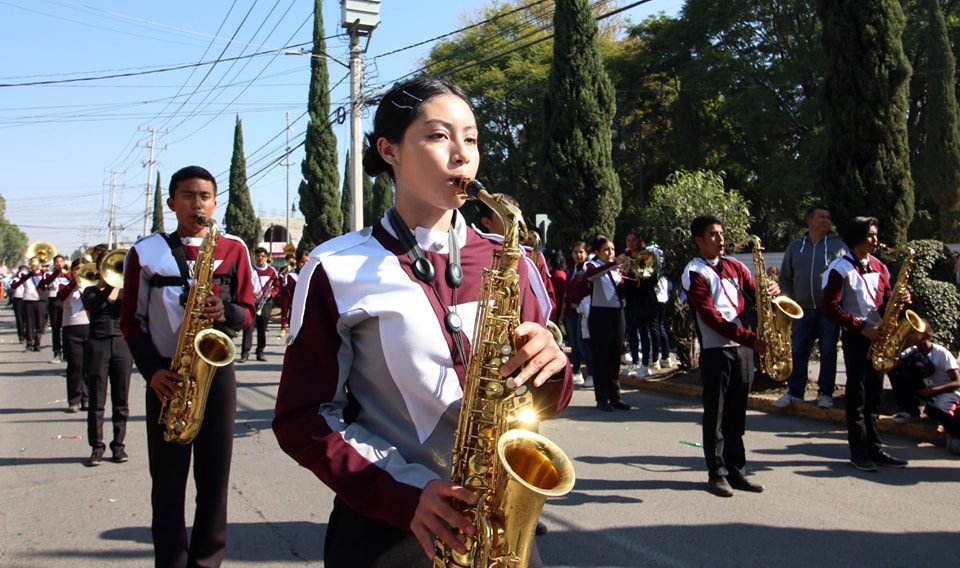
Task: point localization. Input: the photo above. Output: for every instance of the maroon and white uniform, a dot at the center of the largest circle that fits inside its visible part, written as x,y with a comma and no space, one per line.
73,311
362,322
854,291
29,283
265,281
154,310
715,291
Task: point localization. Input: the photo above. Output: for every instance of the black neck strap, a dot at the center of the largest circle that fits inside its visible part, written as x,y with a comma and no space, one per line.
422,268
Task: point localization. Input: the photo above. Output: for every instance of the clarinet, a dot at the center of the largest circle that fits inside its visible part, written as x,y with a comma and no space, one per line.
263,297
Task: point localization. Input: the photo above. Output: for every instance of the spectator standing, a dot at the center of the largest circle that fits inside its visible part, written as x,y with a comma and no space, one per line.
576,290
801,276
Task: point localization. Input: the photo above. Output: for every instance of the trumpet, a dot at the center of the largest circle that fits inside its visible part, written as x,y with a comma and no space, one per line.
111,267
644,265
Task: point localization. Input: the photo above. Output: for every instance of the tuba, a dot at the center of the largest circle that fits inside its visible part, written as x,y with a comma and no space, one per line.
200,351
42,251
111,267
511,470
87,275
774,324
891,332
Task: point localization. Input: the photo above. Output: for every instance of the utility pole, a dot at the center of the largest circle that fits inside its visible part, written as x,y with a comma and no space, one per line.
149,164
112,222
288,164
360,18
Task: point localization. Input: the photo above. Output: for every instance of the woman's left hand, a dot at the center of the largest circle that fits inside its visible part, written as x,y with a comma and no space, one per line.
541,354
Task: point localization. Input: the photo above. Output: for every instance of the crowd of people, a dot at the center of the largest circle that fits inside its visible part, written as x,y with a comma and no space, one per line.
379,324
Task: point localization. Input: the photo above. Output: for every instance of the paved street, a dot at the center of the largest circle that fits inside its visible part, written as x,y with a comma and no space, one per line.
638,501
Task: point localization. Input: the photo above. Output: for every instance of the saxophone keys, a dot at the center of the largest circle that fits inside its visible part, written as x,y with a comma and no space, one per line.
506,349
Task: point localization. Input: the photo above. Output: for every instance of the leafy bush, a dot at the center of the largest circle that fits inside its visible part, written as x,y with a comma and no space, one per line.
933,288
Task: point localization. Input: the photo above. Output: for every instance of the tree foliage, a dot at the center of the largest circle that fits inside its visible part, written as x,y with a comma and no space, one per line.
579,106
13,241
866,166
157,226
319,195
240,219
382,197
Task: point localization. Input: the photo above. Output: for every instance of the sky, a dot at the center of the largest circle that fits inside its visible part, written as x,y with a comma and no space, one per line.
63,144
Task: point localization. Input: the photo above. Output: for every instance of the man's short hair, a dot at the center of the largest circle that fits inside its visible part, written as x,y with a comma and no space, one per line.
190,172
699,225
813,209
259,250
855,230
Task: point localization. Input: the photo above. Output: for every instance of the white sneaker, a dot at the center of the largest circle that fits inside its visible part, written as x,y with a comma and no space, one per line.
656,366
577,379
825,401
588,382
641,371
625,359
631,371
902,417
786,400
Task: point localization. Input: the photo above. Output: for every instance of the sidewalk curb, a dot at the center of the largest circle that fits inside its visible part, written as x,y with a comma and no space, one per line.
920,431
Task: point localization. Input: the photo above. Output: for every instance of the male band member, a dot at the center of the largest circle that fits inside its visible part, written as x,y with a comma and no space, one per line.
856,289
52,282
718,289
266,286
107,360
801,273
288,279
154,289
16,298
33,309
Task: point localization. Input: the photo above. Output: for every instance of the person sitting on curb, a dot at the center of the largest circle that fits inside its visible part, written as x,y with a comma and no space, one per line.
930,372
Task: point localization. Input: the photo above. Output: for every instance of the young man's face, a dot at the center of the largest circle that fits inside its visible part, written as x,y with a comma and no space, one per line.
261,258
711,244
193,197
57,264
869,244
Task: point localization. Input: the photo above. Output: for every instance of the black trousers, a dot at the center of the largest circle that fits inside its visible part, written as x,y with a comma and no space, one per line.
107,360
727,373
74,344
212,451
606,327
357,541
260,322
33,314
19,318
55,309
862,398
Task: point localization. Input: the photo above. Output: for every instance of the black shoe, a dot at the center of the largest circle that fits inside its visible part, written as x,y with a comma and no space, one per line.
261,357
719,487
863,463
541,529
84,407
886,460
743,484
620,405
243,358
120,456
73,409
96,458
605,406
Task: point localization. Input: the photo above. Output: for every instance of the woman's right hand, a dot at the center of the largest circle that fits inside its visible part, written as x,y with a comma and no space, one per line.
164,382
434,516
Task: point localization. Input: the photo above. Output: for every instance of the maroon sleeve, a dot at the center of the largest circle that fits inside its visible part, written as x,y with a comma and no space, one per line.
244,297
831,307
129,324
593,270
886,288
64,292
46,280
559,281
18,281
309,381
275,282
701,299
555,394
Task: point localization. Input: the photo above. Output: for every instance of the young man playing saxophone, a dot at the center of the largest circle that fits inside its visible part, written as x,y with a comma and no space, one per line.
156,278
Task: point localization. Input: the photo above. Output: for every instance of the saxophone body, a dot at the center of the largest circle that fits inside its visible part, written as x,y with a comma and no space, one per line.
774,321
510,469
891,331
201,350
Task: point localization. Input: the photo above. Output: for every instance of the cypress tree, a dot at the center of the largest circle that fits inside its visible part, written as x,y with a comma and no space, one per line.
319,201
382,197
157,226
866,168
579,107
942,156
346,198
239,218
369,218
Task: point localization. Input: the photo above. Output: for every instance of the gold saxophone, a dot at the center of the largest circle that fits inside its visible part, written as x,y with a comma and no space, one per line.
511,470
200,351
774,317
891,332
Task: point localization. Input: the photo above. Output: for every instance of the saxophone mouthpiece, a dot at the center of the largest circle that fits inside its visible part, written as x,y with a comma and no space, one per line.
470,187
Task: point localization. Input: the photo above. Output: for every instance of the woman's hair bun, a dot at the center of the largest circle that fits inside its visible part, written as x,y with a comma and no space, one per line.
373,162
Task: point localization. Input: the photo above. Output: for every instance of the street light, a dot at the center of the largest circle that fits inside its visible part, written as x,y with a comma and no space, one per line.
316,53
